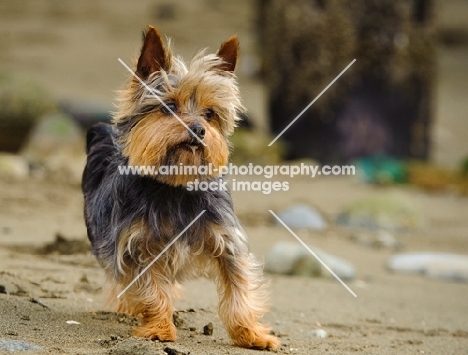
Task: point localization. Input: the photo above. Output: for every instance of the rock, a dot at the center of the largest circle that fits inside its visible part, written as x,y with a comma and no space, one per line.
289,258
13,166
16,345
384,210
302,216
208,329
436,265
319,333
22,102
178,322
381,239
41,303
57,143
72,322
172,351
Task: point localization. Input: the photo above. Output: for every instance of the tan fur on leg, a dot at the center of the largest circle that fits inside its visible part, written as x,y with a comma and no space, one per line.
243,301
124,304
157,316
150,298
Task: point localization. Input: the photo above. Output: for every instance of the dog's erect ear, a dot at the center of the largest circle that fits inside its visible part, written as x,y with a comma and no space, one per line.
153,55
228,52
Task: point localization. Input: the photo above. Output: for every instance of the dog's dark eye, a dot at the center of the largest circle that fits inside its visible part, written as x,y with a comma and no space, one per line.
170,105
209,114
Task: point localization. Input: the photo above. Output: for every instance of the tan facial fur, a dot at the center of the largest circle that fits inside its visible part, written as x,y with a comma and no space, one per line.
152,137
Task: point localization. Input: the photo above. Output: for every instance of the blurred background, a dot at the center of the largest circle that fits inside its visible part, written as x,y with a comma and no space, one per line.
403,98
399,114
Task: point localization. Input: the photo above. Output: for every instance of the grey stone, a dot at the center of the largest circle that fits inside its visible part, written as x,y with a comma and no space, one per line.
380,239
436,265
16,345
302,216
319,333
289,258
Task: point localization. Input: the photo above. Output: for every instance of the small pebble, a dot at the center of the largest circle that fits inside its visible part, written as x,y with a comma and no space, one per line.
178,322
39,302
172,351
319,333
208,329
72,322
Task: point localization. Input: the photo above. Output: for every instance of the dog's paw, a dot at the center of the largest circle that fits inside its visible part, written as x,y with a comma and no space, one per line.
257,338
153,330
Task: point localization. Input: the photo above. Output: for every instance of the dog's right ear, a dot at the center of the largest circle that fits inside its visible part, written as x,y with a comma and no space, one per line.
153,55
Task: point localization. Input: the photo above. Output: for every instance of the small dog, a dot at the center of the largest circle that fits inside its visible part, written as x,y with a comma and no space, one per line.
131,218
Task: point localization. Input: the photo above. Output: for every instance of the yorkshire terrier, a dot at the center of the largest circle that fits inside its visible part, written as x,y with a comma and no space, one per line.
131,219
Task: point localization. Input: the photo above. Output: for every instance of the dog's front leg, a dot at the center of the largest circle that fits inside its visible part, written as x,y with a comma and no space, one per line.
243,298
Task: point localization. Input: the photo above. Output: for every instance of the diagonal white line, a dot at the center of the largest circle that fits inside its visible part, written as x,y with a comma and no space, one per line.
308,106
159,255
157,97
315,255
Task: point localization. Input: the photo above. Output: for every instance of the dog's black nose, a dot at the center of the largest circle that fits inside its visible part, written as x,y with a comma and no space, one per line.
198,129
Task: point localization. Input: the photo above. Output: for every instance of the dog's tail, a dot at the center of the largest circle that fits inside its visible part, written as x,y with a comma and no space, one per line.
102,152
100,149
100,134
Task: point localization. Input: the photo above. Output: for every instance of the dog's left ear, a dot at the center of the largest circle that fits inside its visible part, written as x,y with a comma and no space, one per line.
229,52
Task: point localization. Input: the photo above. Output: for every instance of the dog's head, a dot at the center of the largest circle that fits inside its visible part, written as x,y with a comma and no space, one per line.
175,114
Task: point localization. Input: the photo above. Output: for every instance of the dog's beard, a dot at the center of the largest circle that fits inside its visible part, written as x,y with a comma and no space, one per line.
182,164
185,153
